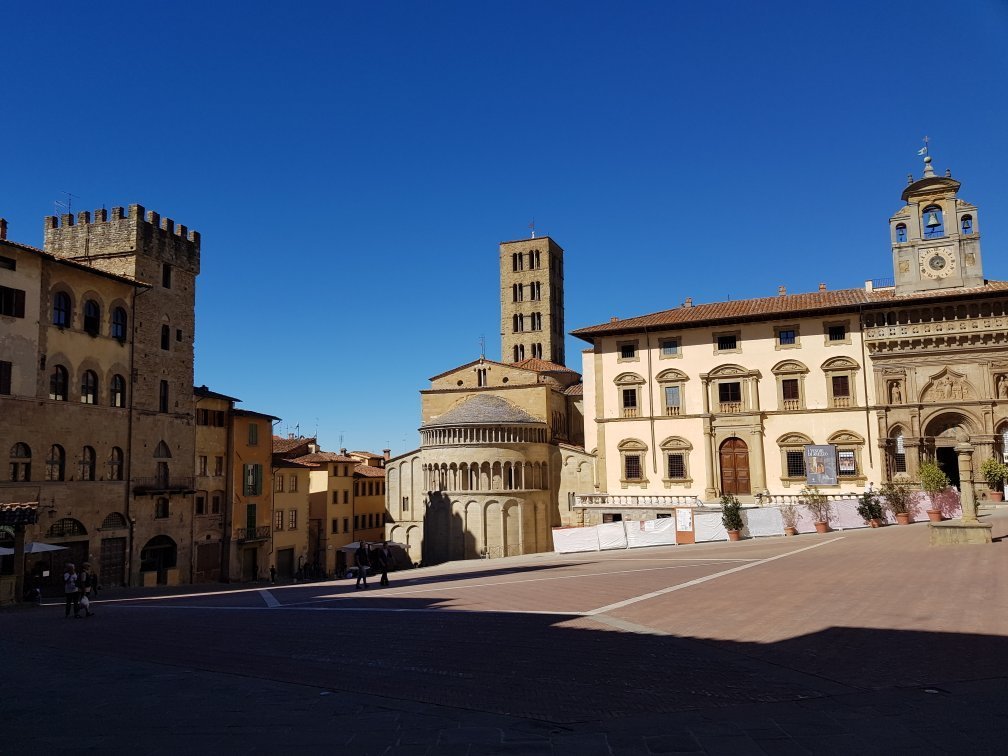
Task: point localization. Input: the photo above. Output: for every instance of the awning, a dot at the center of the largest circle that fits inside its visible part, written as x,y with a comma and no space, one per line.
19,513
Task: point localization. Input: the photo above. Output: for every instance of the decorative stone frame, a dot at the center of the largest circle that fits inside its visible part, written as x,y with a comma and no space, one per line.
777,332
845,440
676,445
891,445
790,369
749,388
668,379
738,342
631,447
792,442
841,366
827,324
626,381
628,342
679,347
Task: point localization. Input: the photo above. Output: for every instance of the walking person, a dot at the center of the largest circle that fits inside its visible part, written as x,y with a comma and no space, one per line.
70,592
86,580
363,562
273,574
385,557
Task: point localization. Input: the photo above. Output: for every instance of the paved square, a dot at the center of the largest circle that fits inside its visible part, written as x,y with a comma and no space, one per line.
865,640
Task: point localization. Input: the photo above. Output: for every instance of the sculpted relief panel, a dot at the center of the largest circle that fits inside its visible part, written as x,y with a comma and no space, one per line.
948,386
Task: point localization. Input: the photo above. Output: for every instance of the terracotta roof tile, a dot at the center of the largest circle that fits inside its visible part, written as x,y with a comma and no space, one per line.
325,457
768,308
369,471
19,513
285,462
541,366
367,454
576,390
282,445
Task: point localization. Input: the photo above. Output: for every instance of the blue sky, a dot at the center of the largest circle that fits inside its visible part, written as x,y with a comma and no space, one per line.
353,166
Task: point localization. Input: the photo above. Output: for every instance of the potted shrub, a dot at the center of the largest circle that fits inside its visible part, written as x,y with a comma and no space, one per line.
731,516
818,506
933,482
897,495
996,473
789,514
870,508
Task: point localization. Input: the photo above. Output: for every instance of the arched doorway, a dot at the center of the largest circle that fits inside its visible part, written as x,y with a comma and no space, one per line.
735,467
943,432
159,555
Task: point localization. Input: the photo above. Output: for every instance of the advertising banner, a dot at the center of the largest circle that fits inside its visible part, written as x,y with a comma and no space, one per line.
821,465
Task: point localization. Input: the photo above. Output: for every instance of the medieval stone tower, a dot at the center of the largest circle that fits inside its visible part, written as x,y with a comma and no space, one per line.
532,300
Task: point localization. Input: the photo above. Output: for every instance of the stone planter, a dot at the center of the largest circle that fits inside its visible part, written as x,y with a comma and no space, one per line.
734,535
822,527
902,518
790,531
935,515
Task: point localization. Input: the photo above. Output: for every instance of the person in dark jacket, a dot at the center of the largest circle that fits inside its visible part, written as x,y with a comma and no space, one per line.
363,562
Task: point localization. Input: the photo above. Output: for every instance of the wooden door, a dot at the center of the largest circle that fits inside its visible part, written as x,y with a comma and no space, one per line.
113,562
735,467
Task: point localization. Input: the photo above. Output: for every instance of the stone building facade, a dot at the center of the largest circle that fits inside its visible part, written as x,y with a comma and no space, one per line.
705,399
532,297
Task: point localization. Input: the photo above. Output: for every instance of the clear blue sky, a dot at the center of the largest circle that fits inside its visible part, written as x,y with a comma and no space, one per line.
353,166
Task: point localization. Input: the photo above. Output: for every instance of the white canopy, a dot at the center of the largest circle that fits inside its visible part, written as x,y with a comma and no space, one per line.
34,548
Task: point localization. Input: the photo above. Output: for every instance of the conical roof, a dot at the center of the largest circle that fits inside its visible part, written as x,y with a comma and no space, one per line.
483,409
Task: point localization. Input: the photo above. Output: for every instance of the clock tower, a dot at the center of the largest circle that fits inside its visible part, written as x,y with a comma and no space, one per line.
935,236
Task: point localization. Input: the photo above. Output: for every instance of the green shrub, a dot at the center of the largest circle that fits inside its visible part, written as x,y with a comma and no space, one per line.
897,495
731,512
869,506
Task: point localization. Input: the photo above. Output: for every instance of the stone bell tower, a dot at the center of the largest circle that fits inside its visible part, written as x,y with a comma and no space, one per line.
532,300
935,236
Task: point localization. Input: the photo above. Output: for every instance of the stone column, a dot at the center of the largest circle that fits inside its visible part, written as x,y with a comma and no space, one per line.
911,448
758,463
710,490
964,449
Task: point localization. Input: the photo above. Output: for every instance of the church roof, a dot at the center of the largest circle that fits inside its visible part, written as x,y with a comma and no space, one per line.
787,305
483,409
541,366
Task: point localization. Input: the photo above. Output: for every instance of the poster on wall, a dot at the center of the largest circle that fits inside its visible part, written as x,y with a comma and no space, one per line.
821,465
845,462
684,519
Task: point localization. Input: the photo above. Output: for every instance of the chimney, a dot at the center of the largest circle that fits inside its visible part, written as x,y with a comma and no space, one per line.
781,291
613,319
822,287
387,453
3,228
342,452
688,302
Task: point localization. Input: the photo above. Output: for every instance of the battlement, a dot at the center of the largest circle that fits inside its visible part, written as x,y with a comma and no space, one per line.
120,232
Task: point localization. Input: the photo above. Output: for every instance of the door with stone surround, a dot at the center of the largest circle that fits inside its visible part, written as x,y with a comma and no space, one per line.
735,467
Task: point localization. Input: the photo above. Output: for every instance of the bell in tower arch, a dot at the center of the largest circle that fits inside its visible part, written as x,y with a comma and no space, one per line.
932,220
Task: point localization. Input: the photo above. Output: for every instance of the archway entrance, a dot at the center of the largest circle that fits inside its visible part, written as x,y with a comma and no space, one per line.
735,467
944,431
159,555
948,461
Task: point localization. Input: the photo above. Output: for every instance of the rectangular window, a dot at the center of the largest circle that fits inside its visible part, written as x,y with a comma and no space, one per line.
727,342
215,504
405,503
166,275
787,337
837,333
202,465
346,496
278,520
630,402
218,468
841,386
163,397
795,464
672,397
335,526
279,483
335,497
253,479
632,467
846,463
356,522
730,392
612,517
628,351
219,418
8,263
293,483
676,465
253,434
346,524
161,509
200,504
6,368
292,520
669,347
12,302
202,417
789,389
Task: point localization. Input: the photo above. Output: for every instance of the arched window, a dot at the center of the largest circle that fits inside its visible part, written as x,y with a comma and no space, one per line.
901,234
165,337
20,463
632,455
66,528
161,453
113,521
87,464
163,397
933,222
61,309
115,464
58,381
89,387
966,223
118,391
515,353
56,463
521,353
897,460
119,324
92,317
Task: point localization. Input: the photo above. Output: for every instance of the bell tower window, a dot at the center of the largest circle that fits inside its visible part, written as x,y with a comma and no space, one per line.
934,224
967,225
901,234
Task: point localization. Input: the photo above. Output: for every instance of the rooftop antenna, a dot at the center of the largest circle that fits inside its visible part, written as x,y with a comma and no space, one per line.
482,347
532,227
67,206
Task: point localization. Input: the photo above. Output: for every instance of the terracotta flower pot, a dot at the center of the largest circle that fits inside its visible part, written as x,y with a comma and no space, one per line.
822,527
935,515
790,531
902,518
995,495
875,522
734,535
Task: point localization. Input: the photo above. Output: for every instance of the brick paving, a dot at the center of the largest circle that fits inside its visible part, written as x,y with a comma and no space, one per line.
871,641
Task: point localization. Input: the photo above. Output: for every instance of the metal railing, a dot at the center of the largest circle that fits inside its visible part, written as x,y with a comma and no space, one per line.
260,533
159,483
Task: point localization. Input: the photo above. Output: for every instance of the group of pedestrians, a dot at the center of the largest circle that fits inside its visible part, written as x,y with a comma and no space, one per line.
78,588
378,560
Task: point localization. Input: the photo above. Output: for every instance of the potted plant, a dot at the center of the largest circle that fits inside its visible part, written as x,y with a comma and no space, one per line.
897,495
870,508
996,473
933,482
731,516
818,506
789,514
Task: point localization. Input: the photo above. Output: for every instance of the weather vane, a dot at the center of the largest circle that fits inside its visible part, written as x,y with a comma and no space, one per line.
532,227
924,150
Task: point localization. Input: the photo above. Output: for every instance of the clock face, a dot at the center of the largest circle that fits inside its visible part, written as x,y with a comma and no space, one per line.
937,262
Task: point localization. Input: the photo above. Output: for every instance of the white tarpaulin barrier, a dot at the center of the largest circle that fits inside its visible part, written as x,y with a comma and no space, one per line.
707,526
573,540
763,521
611,535
845,516
651,532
